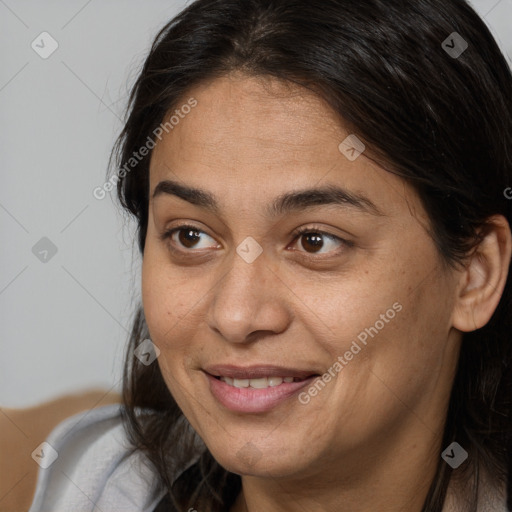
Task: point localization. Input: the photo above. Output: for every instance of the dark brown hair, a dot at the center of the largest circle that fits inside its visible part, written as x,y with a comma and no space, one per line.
443,123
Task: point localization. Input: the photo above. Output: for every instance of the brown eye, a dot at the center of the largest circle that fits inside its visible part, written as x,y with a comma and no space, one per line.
312,242
188,237
315,241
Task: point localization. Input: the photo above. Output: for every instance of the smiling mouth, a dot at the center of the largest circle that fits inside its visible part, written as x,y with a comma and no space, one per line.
260,383
255,389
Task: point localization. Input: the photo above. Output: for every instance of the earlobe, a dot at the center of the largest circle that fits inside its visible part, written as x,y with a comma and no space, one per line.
482,282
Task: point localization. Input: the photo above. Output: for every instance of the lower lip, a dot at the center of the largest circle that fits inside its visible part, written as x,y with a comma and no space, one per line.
251,400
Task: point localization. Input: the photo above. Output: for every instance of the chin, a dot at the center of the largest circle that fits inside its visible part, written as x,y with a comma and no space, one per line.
257,459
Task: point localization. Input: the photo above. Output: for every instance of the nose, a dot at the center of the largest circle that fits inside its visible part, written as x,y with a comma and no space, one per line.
249,302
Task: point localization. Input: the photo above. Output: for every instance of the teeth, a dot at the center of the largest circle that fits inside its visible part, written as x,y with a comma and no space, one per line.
261,383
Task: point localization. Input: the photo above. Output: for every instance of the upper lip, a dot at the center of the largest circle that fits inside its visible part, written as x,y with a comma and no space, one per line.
256,371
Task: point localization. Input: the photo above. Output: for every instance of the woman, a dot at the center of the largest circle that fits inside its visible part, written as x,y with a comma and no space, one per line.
321,198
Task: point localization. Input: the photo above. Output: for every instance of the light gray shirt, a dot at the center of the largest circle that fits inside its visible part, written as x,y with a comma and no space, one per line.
95,469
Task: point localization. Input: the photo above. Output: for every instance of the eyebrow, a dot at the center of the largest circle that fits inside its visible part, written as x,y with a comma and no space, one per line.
286,203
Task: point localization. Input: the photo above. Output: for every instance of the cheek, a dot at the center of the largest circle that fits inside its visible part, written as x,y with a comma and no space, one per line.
398,314
156,301
162,298
163,311
410,353
173,303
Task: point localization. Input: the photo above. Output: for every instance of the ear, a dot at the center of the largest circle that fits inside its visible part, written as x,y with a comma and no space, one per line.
482,282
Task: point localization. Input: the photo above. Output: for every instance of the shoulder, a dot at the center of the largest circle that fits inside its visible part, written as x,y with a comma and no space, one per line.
87,464
25,429
84,436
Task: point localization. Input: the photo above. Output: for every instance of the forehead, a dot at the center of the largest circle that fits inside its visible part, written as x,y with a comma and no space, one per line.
260,136
254,118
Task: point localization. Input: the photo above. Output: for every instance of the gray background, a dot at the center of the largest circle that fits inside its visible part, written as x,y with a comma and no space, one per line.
65,322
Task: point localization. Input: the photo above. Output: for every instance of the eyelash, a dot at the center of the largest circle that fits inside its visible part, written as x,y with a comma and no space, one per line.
296,234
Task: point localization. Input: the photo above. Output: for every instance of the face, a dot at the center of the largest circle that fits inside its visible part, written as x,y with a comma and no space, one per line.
300,307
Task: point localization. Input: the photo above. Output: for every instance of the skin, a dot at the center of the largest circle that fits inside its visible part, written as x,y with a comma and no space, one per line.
377,425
